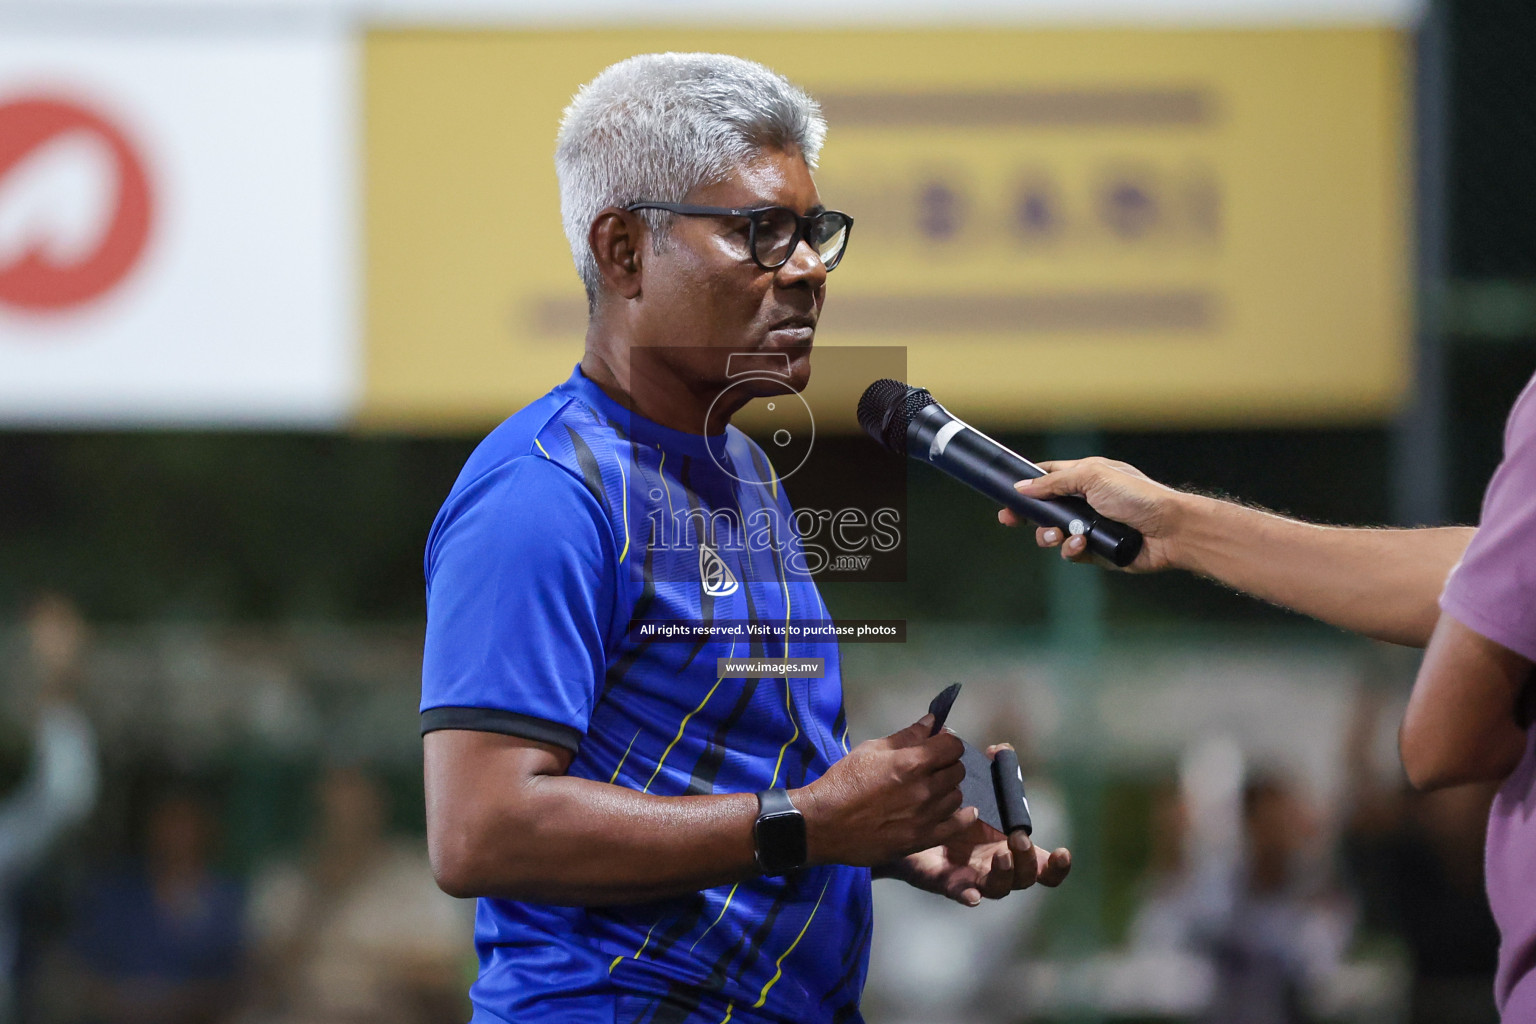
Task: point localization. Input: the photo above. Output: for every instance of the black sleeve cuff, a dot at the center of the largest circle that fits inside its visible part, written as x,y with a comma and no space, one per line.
508,723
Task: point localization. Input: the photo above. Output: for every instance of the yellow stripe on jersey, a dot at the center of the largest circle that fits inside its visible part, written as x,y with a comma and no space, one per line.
717,917
684,724
647,942
789,707
624,500
627,749
779,964
788,703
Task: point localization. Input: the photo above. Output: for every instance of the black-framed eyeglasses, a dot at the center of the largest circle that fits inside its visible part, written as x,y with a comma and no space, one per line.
776,231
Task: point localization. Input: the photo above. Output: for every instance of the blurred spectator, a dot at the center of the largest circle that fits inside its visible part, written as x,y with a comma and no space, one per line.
1417,861
160,941
1174,887
1286,933
359,932
1194,875
1270,930
60,787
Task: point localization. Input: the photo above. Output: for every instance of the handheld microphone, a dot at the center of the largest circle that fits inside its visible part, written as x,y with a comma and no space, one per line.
909,421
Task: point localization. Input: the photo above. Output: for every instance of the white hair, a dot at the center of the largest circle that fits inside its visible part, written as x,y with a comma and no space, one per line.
656,126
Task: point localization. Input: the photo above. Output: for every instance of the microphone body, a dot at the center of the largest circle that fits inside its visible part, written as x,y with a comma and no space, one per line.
938,437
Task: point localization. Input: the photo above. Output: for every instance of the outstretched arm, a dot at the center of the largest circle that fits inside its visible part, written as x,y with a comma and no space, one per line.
503,819
1462,723
1379,582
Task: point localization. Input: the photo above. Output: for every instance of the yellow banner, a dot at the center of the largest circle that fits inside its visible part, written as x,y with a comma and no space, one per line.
1139,227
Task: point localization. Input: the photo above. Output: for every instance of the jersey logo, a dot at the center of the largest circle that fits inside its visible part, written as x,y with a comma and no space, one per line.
715,574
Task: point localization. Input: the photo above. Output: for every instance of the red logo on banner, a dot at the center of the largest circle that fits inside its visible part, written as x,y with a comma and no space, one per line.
36,280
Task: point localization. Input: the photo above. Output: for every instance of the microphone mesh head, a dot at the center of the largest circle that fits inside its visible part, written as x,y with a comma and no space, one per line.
887,408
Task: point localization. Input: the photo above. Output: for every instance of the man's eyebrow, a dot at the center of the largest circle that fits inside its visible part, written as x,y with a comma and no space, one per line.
813,211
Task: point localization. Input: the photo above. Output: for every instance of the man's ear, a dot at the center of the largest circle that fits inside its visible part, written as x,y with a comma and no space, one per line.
615,239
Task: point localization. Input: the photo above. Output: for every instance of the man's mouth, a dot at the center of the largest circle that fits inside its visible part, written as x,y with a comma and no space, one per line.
795,330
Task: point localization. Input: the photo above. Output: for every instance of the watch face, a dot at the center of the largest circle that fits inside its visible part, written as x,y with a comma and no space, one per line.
780,842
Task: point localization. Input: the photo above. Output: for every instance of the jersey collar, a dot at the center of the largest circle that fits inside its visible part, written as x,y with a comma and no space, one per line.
641,429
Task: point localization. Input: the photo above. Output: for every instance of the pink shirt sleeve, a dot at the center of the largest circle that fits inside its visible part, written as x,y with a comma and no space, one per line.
1493,589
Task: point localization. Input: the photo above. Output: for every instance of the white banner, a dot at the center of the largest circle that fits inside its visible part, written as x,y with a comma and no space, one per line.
177,218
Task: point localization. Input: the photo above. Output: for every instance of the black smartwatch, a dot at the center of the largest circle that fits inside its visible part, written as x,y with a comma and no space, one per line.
779,833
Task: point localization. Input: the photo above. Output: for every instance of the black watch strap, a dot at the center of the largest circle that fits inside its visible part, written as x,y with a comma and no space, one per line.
775,801
778,834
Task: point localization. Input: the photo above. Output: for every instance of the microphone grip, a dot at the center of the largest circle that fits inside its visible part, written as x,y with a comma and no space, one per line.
1110,540
980,462
1008,781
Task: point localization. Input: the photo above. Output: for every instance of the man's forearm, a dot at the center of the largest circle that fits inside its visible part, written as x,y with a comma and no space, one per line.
577,842
1382,583
504,819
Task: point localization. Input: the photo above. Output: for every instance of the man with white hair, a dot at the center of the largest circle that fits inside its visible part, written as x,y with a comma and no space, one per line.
652,838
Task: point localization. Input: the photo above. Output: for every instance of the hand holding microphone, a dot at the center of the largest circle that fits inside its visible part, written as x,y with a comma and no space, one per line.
909,421
1117,490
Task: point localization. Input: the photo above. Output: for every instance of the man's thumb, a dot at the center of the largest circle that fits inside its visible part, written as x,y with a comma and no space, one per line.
1049,486
914,733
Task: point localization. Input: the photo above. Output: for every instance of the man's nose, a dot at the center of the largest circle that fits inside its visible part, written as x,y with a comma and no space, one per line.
804,264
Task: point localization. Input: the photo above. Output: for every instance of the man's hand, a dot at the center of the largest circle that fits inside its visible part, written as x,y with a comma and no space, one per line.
888,798
1116,490
981,862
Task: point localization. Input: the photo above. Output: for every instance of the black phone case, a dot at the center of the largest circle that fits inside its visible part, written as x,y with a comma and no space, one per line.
994,786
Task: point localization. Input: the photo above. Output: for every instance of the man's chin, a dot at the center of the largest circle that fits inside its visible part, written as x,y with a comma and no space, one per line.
799,374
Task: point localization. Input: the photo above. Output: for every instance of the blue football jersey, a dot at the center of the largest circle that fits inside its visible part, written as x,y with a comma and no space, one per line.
576,536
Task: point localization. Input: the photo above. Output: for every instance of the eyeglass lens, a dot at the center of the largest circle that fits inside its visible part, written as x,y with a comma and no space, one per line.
776,232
